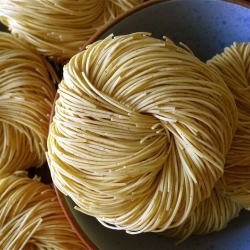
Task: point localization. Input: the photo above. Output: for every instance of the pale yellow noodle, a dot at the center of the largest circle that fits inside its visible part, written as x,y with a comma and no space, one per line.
58,29
210,215
234,67
140,132
26,96
31,216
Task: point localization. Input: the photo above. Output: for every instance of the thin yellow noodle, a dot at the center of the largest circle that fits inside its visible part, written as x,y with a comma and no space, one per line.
60,28
234,67
140,132
27,91
30,215
211,215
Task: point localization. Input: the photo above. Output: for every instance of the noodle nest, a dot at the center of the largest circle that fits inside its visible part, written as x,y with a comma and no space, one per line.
31,216
232,190
27,92
140,132
58,29
234,67
210,215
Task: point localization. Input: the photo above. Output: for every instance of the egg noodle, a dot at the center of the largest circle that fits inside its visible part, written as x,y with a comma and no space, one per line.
27,92
140,132
234,67
31,216
233,189
59,28
210,215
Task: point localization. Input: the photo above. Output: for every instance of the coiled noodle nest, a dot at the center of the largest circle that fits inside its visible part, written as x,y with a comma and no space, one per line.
140,132
234,67
210,215
27,92
58,29
31,216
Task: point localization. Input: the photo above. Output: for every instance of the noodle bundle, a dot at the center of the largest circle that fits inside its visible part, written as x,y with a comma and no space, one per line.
140,132
210,215
58,29
27,92
31,216
234,67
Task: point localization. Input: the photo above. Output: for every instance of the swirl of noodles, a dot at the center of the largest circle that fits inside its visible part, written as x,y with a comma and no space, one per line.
26,97
59,28
140,132
31,216
234,67
210,215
